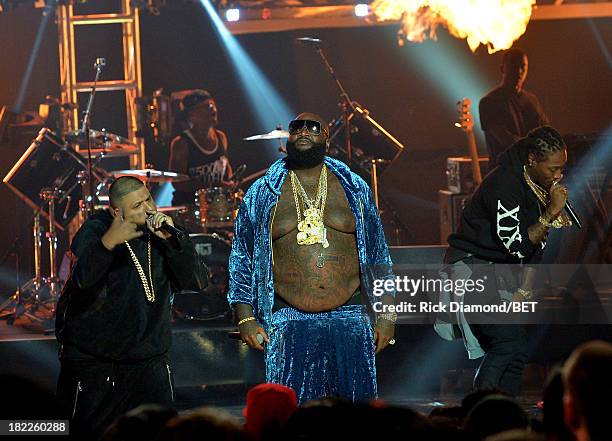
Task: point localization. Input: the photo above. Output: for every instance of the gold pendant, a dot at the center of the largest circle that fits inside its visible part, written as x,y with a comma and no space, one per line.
301,237
311,229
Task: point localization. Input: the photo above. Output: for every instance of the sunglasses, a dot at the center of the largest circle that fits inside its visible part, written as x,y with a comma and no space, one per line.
313,127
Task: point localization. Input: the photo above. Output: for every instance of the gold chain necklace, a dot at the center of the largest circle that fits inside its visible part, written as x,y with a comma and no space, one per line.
148,289
311,229
560,221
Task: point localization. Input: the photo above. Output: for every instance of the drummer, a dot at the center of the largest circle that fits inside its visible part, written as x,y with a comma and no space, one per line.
201,150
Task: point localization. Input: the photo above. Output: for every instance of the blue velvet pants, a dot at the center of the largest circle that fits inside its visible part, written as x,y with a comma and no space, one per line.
323,354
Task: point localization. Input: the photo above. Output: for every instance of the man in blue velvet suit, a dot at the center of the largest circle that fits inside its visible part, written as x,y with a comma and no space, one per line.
305,235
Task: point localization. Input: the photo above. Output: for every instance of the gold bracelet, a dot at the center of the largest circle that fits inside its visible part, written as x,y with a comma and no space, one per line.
244,320
545,222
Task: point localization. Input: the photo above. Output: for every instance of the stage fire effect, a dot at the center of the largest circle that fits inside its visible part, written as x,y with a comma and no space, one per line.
495,24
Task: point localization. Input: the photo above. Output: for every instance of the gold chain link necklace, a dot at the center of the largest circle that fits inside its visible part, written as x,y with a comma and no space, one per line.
148,289
311,230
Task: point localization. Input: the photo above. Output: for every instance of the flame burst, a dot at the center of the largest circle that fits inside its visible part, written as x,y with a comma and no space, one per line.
493,23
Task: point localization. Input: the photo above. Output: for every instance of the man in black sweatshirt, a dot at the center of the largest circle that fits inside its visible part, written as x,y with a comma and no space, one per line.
507,221
113,317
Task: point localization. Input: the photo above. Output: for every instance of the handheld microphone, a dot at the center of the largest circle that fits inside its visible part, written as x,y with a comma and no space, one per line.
165,226
572,214
310,41
569,210
235,335
171,230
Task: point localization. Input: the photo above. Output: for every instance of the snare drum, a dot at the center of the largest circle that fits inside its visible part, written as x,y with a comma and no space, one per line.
218,206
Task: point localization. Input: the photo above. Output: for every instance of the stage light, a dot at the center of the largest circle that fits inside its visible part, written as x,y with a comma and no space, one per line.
267,106
586,185
232,15
362,10
436,59
47,14
600,42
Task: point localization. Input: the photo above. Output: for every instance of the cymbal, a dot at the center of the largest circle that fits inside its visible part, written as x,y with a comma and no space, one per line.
151,175
274,134
103,142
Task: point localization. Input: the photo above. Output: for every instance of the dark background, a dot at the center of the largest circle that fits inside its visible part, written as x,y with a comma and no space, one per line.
410,90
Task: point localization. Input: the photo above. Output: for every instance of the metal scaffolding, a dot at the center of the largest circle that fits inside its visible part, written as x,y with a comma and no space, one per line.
131,82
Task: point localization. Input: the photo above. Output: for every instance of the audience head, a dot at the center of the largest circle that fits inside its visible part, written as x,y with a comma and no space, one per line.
495,414
587,382
554,425
268,407
142,423
206,423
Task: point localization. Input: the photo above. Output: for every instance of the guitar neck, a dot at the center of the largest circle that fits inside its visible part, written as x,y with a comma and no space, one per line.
473,150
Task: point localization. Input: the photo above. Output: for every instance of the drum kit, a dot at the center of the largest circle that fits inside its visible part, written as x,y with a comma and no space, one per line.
52,178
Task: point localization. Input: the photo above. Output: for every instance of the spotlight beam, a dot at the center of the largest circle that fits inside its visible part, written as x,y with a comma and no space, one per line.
47,12
269,107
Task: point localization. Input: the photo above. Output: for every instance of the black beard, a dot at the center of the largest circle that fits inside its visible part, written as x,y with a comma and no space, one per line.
301,159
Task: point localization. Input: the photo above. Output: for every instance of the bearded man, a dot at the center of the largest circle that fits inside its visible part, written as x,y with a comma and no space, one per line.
305,235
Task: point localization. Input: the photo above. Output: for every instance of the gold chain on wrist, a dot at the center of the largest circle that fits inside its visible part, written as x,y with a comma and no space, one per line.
244,320
561,220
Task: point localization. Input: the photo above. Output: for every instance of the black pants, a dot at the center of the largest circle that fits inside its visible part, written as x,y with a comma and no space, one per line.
505,358
94,392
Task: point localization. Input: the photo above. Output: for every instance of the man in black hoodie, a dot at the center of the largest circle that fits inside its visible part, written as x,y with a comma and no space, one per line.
507,221
113,317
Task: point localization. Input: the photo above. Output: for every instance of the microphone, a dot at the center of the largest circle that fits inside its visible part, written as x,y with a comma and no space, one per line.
569,210
235,335
171,230
100,63
165,226
310,41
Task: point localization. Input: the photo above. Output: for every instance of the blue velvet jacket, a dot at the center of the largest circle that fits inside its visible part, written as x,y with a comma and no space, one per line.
250,263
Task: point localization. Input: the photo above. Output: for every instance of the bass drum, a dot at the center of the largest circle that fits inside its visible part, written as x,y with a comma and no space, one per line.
211,303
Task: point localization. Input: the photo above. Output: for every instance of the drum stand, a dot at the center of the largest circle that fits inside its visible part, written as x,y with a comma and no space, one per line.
30,297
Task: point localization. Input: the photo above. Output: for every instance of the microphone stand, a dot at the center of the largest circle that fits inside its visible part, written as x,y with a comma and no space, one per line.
346,103
84,132
351,108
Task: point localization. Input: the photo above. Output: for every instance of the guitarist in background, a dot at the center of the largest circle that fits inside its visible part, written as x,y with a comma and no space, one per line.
508,112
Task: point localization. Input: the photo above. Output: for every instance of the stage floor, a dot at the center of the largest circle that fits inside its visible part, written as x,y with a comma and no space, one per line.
421,371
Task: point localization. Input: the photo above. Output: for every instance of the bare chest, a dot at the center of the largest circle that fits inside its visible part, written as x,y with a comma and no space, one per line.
337,216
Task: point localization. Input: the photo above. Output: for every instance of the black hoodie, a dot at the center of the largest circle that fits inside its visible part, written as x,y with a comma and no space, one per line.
103,310
495,220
